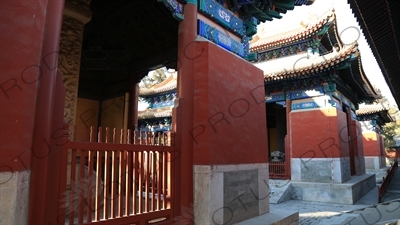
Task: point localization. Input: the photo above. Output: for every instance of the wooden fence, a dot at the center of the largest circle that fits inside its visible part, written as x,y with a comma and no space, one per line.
117,177
281,170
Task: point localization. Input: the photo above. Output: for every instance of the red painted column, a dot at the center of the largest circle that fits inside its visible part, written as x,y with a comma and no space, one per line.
351,134
183,119
30,34
288,149
43,133
133,106
22,25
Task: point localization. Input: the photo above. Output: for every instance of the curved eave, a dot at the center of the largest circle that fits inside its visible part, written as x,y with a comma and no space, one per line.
289,37
365,90
168,85
322,63
380,23
382,115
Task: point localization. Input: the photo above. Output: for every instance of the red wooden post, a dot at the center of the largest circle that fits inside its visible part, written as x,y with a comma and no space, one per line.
288,149
183,123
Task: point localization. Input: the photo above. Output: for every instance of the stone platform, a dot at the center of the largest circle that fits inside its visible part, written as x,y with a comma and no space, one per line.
344,193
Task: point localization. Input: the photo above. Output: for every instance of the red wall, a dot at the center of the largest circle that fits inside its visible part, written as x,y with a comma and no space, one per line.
229,109
22,24
319,134
371,143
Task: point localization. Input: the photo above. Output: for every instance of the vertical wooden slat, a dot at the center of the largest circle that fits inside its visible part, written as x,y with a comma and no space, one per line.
136,140
159,137
148,170
82,183
91,191
154,182
98,177
153,138
141,182
114,178
135,181
165,178
106,181
172,178
149,138
72,182
128,186
159,179
166,140
121,177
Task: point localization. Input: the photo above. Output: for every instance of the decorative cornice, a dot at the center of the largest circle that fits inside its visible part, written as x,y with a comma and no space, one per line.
194,2
220,38
155,113
175,7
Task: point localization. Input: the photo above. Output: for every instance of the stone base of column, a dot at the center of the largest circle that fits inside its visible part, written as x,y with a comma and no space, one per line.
345,193
322,170
227,194
14,195
376,165
374,162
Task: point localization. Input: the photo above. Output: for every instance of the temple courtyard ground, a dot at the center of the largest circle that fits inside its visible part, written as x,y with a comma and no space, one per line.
314,213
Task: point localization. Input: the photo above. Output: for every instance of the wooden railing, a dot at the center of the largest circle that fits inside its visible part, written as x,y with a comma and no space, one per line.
115,176
279,170
386,181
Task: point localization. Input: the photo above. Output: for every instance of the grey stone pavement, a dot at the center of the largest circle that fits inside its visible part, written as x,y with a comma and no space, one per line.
314,213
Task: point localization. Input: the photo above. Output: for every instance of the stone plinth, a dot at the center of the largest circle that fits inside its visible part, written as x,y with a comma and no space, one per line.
14,195
226,194
346,193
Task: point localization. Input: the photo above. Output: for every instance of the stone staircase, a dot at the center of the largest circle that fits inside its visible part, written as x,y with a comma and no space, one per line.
387,213
279,191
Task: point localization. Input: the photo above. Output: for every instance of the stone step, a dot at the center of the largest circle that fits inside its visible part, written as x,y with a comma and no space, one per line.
280,191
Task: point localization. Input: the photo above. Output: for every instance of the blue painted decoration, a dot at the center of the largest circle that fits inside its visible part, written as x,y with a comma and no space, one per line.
335,103
223,16
220,38
353,115
275,97
305,105
157,105
318,91
175,7
282,103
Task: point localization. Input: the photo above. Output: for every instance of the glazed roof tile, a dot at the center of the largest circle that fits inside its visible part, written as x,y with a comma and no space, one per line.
155,113
292,67
369,109
168,84
302,30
